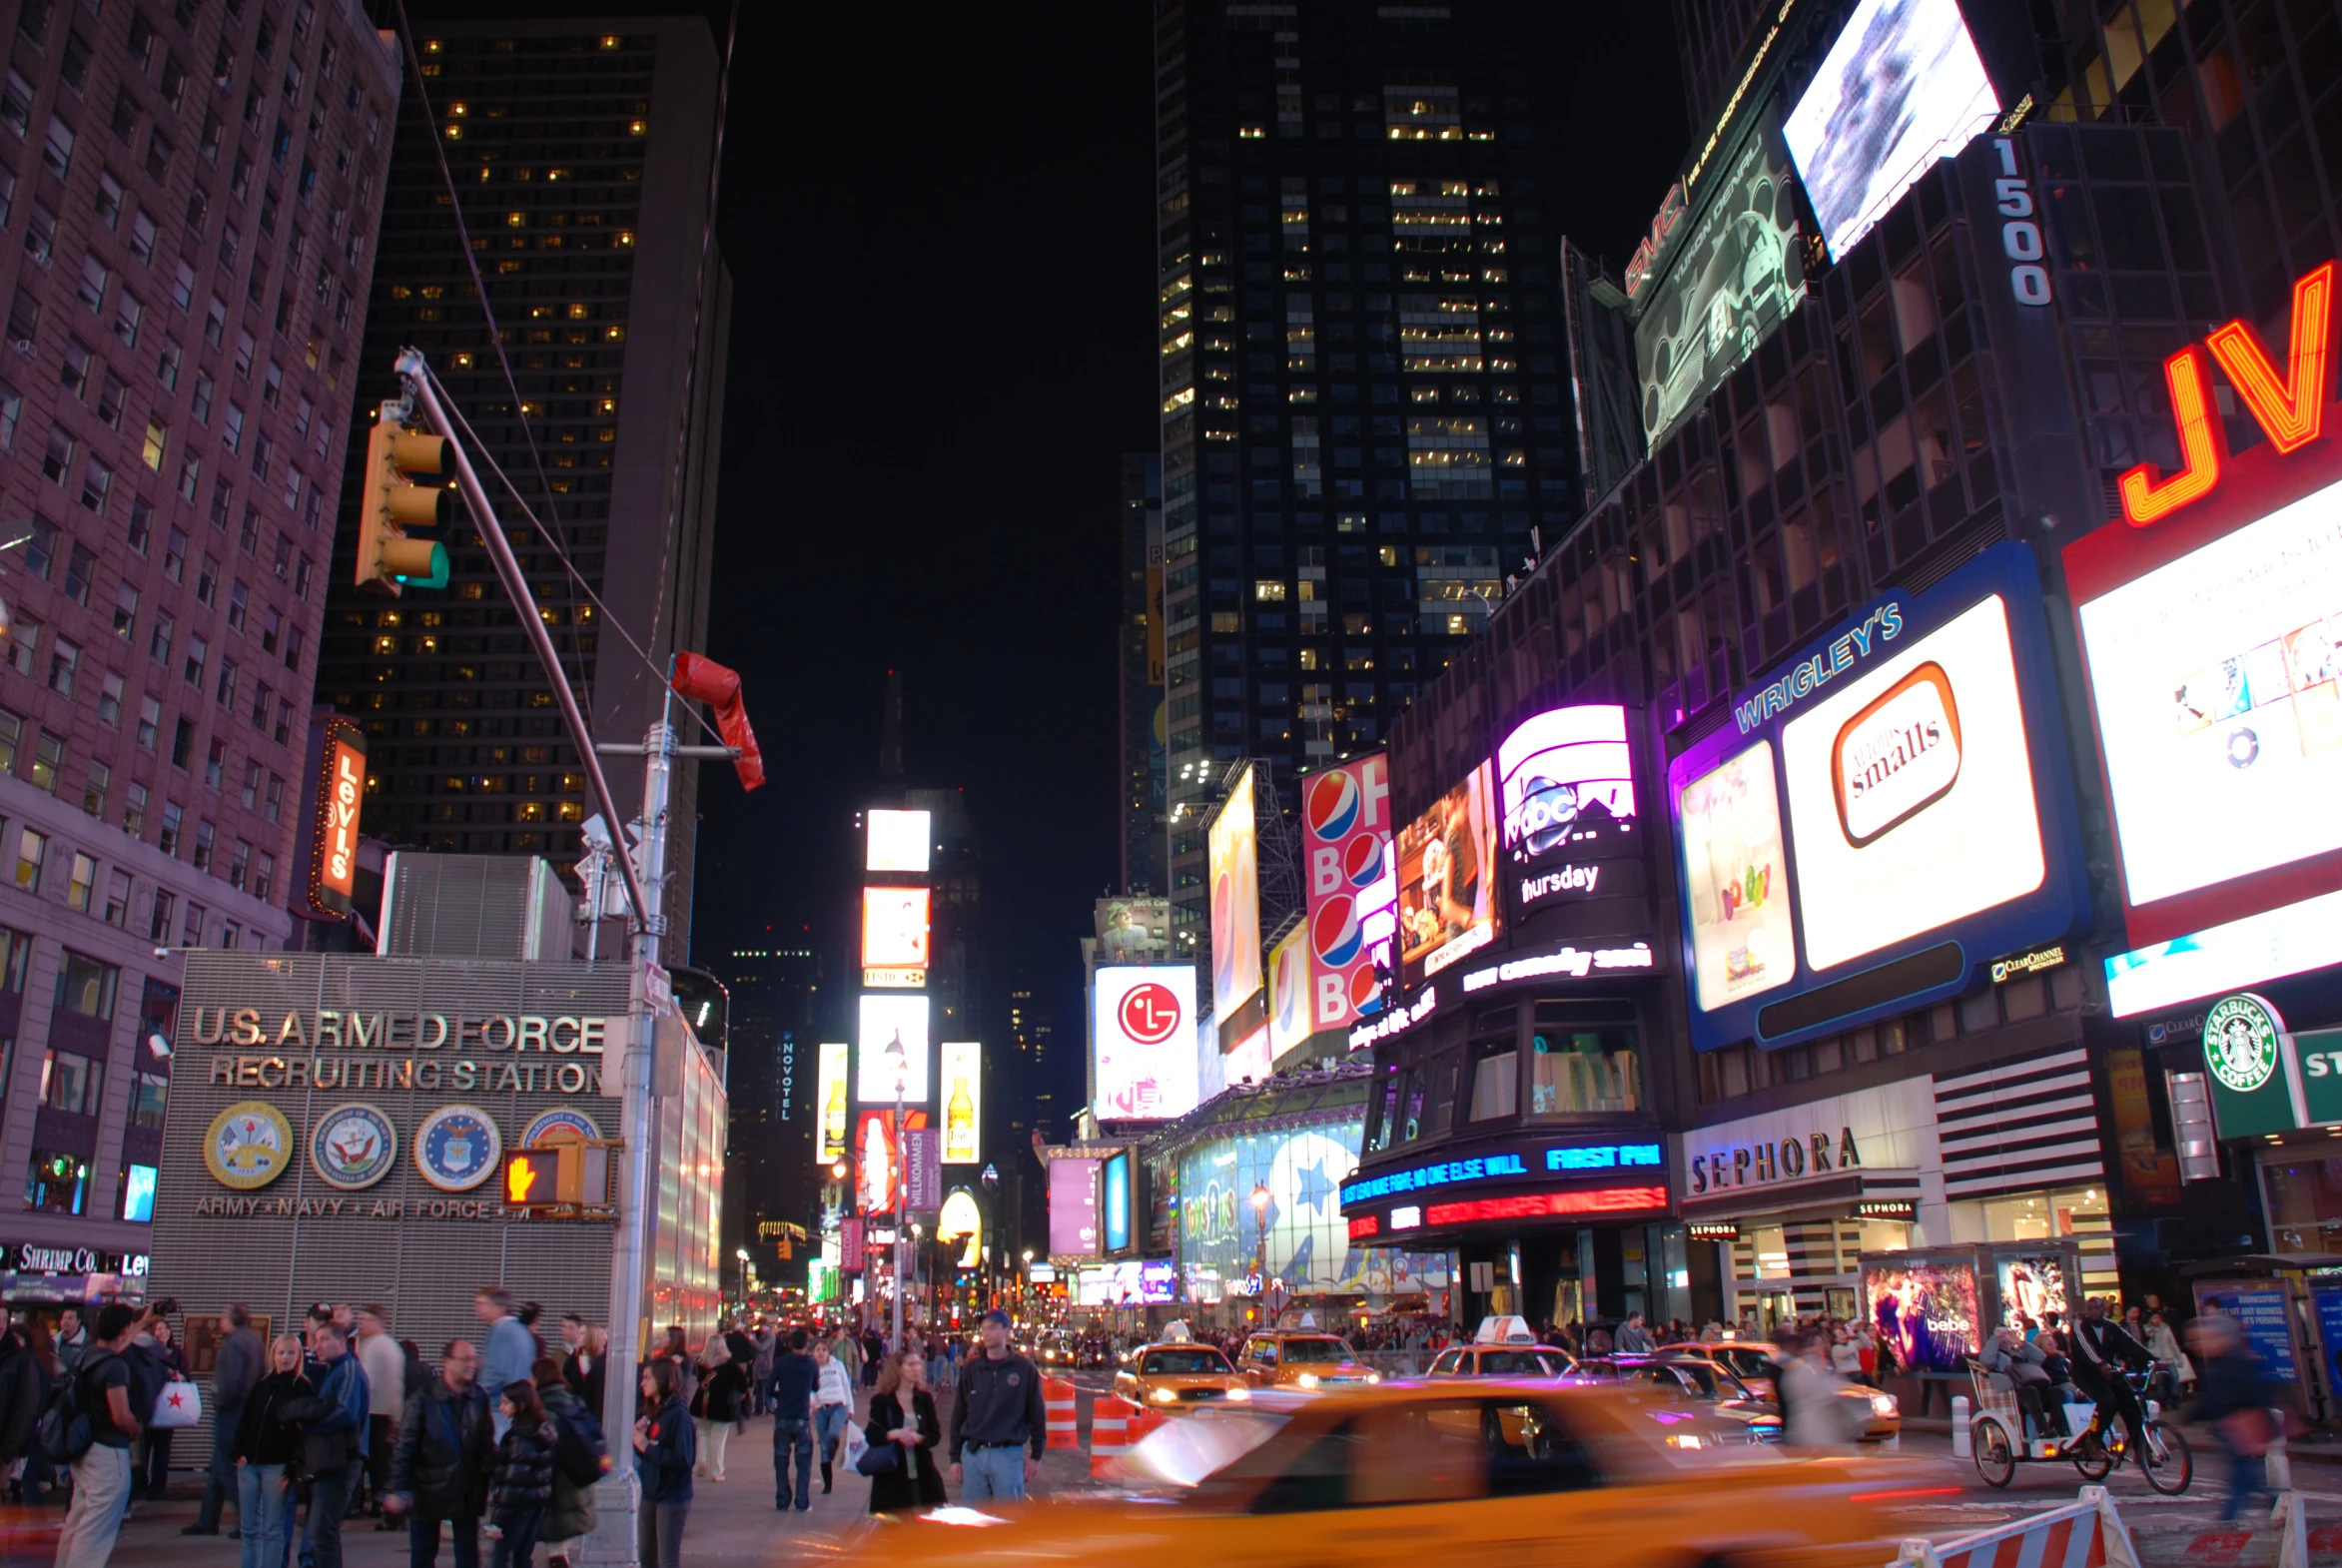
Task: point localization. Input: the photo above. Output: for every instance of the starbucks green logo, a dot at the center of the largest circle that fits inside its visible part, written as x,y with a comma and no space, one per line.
2241,1041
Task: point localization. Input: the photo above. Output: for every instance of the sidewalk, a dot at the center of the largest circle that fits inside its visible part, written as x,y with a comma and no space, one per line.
732,1521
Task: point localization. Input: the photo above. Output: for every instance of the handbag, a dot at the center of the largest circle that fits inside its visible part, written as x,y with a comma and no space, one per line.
877,1459
177,1405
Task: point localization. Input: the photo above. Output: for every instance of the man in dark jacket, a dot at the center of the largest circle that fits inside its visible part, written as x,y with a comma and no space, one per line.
2235,1398
791,1393
2103,1350
447,1446
242,1363
334,1442
997,1411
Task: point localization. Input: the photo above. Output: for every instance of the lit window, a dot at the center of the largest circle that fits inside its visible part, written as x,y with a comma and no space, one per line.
1269,588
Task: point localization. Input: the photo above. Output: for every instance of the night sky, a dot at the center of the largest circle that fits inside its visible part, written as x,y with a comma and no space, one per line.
939,224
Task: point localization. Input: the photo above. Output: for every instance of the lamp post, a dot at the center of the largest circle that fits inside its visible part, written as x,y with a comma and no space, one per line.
1024,1286
899,1060
741,1253
1260,1259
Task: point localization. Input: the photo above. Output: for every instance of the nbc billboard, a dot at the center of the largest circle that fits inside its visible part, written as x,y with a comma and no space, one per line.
1345,825
1143,1028
1566,781
1235,901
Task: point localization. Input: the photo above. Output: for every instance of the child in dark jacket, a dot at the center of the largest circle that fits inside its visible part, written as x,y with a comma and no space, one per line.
523,1485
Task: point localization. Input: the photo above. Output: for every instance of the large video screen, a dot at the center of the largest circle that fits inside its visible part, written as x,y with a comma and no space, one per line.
1235,901
1735,275
898,841
1900,87
894,928
1447,893
1911,792
1288,990
2219,708
1143,1028
1566,782
1736,875
884,1021
1222,1228
1345,825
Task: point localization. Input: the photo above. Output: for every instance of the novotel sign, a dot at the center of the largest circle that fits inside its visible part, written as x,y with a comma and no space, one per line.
1506,1166
2289,406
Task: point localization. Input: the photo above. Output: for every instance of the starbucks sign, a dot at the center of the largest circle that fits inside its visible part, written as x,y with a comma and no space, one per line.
2241,1041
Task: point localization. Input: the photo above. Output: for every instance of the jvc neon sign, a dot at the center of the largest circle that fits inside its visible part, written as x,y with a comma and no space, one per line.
2290,408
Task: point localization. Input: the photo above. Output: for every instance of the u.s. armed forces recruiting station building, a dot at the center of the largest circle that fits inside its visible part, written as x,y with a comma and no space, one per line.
338,1125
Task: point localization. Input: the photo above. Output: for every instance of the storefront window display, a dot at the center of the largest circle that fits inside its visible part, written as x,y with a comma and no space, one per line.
2037,1217
2304,1201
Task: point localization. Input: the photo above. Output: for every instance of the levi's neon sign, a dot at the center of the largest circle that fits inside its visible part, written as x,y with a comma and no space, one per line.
2290,411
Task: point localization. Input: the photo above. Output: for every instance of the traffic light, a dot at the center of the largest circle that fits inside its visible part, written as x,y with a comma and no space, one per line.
572,1174
393,502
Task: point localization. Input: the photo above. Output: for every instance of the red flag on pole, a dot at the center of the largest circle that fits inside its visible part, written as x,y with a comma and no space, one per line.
702,679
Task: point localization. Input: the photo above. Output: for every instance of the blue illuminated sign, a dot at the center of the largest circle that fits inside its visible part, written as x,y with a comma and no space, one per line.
1497,1168
1117,1202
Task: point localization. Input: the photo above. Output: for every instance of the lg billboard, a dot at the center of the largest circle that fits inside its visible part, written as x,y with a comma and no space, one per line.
1143,1032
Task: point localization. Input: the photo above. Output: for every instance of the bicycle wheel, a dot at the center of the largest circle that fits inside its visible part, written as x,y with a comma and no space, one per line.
1994,1454
2091,1457
2166,1461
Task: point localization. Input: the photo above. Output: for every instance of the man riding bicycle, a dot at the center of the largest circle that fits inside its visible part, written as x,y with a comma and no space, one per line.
2103,1351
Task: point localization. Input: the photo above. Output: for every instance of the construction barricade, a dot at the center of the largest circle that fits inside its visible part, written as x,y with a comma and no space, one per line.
2087,1533
1057,1406
1110,1432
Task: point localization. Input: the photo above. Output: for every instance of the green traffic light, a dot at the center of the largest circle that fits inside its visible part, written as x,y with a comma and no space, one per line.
439,576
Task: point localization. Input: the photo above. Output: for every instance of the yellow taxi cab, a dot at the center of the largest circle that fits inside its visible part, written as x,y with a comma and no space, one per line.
1502,1348
1303,1358
1870,1414
1178,1375
1408,1472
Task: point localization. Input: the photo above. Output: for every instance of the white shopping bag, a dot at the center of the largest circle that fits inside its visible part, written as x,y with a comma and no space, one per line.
179,1404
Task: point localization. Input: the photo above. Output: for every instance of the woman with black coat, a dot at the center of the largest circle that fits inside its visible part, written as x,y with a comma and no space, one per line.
523,1483
267,1447
902,1412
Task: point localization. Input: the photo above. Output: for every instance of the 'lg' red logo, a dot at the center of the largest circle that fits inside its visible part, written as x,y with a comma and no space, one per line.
1149,1012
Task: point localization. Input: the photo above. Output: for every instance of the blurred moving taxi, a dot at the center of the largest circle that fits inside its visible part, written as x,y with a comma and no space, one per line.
1411,1471
1704,1384
1178,1375
1286,1359
1871,1417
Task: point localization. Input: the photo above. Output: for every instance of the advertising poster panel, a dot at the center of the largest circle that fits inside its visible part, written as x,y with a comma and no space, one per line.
1288,992
1901,87
1114,1203
1235,901
1447,894
1734,277
1354,895
2033,1285
829,1090
1913,758
1073,1209
878,1171
963,1101
2261,1311
1143,1023
1308,1245
1565,778
1926,1309
887,1021
894,928
898,841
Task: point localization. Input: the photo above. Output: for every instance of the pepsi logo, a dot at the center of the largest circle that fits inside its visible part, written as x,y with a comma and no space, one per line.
1333,931
1365,990
1149,1012
1361,860
1332,808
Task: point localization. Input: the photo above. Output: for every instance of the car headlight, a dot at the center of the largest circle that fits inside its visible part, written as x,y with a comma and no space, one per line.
1238,1393
1374,1377
1164,1396
1307,1380
1883,1404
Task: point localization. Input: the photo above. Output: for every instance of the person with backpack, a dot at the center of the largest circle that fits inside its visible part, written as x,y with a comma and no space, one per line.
523,1483
263,1450
446,1444
334,1442
90,1425
581,1458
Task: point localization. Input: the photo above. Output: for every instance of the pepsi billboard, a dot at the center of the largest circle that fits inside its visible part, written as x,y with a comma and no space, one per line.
1353,894
1565,784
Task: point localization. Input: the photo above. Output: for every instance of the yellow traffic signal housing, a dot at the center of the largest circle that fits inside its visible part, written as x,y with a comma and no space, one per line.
569,1175
393,502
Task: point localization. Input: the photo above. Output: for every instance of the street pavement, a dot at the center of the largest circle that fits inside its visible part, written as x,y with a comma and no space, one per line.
734,1522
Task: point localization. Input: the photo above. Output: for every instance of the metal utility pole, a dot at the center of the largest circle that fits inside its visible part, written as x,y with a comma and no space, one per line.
617,1497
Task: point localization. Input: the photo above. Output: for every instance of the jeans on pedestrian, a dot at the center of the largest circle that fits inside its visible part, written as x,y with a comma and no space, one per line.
220,1485
658,1535
263,1505
423,1542
101,1496
518,1542
792,1438
829,1426
992,1472
2248,1477
328,1501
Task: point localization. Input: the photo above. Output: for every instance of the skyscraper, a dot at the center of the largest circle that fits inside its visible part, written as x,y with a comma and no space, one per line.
776,1027
1364,418
580,160
193,196
1140,802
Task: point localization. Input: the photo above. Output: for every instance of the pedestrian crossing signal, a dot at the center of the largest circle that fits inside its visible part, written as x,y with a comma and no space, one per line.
567,1175
532,1178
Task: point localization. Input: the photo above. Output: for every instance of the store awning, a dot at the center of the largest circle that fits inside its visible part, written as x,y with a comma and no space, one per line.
1838,1193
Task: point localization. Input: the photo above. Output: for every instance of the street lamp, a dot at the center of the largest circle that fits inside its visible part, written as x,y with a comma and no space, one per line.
1260,1217
899,1060
1024,1286
741,1253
